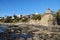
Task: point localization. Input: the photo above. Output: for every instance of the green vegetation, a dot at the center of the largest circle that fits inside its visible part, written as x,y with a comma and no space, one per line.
36,17
58,17
8,19
16,19
22,18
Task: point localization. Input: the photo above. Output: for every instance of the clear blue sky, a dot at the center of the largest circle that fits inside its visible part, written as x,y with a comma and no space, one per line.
11,7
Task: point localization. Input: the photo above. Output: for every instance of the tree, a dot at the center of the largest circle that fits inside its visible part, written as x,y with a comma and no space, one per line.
16,19
58,17
36,17
8,19
2,20
24,19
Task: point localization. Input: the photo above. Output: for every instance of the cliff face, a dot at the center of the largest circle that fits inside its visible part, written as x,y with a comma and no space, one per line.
47,20
34,22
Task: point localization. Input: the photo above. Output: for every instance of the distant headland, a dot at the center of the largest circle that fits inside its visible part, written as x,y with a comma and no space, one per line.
49,17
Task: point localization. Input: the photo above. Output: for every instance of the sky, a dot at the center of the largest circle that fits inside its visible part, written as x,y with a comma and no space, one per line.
24,7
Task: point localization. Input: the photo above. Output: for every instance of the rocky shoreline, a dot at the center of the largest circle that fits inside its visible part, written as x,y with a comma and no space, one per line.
39,32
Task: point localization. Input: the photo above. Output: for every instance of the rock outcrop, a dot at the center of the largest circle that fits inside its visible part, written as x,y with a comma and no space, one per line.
48,18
